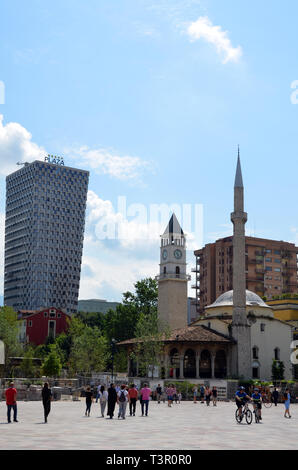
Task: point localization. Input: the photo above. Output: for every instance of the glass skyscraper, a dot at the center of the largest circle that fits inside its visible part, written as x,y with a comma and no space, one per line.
44,231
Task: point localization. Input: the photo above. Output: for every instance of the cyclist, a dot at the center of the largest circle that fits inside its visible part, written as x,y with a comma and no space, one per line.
241,398
257,402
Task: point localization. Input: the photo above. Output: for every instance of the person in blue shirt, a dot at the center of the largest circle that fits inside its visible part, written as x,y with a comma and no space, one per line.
241,398
287,401
257,402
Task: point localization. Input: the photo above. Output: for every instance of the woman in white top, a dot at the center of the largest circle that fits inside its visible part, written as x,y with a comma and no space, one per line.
103,398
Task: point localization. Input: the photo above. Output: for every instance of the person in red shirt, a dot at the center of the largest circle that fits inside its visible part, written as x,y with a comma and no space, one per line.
133,396
11,402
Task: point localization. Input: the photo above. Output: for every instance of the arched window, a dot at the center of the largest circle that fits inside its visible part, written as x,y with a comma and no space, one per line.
277,354
189,364
220,364
255,352
205,365
165,270
177,271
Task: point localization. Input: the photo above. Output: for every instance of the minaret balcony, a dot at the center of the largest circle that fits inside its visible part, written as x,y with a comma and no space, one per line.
167,276
239,216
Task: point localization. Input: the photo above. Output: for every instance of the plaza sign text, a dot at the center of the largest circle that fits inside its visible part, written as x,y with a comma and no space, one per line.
54,159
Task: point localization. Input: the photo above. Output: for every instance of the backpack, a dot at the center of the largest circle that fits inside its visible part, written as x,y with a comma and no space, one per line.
122,396
285,396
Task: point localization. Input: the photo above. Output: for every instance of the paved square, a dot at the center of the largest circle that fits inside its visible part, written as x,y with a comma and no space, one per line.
182,427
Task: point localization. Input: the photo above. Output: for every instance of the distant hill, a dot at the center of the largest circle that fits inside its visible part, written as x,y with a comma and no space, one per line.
96,305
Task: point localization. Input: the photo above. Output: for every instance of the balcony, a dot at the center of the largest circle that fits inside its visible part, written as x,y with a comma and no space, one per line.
195,270
166,276
260,271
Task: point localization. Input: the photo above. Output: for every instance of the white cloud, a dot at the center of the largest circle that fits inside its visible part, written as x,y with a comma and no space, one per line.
204,29
107,162
117,275
16,146
104,222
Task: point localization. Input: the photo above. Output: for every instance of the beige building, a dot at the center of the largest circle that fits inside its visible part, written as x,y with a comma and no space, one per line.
172,278
236,337
270,337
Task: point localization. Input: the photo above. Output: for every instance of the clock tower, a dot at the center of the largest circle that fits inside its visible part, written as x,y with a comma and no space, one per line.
172,279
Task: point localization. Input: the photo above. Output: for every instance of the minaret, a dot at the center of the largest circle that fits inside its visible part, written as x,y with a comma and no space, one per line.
240,328
172,279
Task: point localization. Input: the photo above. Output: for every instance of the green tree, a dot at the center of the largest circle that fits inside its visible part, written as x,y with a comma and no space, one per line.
52,366
28,368
120,323
9,331
148,351
92,319
120,361
145,297
88,351
277,370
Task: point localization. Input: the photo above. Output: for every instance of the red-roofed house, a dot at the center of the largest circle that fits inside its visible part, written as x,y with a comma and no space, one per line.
36,326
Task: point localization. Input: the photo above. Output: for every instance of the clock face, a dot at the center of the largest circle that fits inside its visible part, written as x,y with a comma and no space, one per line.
178,254
164,254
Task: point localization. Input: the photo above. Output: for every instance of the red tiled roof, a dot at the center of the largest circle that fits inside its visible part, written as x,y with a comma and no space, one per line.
199,334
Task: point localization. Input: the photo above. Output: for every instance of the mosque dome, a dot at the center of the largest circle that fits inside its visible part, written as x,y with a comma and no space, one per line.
226,300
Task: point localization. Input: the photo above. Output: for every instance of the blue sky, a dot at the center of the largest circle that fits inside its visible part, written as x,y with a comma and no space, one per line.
153,98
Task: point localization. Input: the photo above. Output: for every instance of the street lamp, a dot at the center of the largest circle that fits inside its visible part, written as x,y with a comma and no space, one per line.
113,346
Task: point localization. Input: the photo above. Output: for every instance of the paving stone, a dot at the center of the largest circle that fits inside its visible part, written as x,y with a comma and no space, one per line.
180,427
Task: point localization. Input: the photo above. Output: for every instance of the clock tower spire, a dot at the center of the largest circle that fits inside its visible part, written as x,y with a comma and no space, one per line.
172,279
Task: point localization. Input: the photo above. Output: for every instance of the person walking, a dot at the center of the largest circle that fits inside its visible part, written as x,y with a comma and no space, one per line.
11,402
195,394
112,400
175,397
158,392
170,394
207,396
133,396
202,393
103,398
145,393
89,400
122,399
275,396
287,400
214,396
46,394
98,393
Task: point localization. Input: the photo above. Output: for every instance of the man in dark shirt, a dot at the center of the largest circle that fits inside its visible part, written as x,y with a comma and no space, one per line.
158,392
275,396
112,400
46,400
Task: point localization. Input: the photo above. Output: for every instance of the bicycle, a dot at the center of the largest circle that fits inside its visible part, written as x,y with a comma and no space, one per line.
267,401
257,414
245,412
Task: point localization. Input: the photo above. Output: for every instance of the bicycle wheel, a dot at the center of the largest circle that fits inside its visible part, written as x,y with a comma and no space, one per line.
267,404
237,416
248,417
